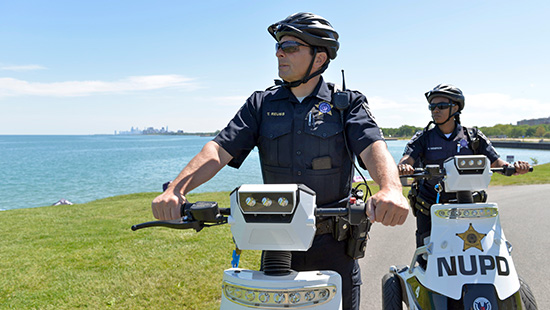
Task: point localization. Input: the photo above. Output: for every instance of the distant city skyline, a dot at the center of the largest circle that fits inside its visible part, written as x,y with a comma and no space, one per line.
76,67
136,131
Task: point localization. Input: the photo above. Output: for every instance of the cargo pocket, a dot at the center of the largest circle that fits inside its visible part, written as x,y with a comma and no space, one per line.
274,143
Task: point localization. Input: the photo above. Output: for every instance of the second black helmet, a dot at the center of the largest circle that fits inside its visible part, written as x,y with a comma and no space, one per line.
448,91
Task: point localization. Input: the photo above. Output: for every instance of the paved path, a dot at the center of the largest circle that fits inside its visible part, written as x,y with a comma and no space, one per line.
525,216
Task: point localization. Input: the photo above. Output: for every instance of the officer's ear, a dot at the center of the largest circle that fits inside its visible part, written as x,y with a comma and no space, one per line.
454,108
320,59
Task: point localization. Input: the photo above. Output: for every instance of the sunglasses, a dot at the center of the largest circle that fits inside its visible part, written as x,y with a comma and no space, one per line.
289,46
441,105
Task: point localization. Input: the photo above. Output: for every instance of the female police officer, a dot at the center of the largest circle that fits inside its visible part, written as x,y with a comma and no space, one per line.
435,144
300,137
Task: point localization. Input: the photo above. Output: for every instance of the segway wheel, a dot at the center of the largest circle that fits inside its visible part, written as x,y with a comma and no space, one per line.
526,295
391,293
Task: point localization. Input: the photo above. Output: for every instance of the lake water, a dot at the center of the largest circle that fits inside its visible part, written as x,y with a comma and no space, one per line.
40,170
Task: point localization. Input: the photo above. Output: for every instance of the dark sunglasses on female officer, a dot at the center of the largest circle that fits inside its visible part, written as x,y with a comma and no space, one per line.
441,105
289,46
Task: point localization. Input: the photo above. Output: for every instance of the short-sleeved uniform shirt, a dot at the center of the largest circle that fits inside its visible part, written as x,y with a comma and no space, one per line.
302,142
431,147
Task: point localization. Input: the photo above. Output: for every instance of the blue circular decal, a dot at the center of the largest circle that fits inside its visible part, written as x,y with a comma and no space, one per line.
324,107
482,303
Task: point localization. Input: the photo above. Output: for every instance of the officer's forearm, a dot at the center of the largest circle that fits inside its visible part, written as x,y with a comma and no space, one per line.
211,159
381,166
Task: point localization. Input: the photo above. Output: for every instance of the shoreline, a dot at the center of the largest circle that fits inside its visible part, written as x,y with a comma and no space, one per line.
515,144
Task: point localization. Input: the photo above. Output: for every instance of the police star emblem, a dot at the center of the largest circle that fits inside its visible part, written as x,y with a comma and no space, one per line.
324,108
472,238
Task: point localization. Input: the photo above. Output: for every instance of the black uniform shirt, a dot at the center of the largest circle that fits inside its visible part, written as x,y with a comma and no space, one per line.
301,142
432,147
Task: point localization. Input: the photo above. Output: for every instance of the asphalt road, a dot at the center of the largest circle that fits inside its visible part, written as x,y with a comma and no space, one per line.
524,211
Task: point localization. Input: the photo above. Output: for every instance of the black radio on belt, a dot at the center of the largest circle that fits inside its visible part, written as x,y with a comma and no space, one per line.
357,242
359,230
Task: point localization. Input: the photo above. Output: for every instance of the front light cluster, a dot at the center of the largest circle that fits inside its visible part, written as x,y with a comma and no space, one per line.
266,201
463,213
470,162
269,202
278,298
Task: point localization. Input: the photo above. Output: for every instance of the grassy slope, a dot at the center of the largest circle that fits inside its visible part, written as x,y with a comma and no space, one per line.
86,256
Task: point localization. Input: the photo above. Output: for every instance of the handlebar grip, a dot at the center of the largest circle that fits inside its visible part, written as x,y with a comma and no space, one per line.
331,211
508,170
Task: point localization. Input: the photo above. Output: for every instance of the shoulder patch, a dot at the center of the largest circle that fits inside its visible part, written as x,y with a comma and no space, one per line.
417,136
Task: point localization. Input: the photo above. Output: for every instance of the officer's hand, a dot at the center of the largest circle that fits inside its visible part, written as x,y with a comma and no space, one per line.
522,167
405,169
167,206
388,207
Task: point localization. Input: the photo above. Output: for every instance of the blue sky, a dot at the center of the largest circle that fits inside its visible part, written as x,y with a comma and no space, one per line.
93,67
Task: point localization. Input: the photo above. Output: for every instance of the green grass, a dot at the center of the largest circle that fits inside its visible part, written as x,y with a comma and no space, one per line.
86,256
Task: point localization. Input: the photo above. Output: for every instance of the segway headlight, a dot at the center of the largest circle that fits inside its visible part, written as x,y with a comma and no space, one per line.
466,213
268,298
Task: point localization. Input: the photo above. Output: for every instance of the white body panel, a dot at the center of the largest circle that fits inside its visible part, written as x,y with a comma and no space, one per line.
450,265
294,236
455,181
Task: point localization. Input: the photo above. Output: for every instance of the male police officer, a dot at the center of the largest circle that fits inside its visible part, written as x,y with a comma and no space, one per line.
434,145
300,137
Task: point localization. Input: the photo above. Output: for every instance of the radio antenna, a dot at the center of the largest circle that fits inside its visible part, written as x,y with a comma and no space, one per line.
343,81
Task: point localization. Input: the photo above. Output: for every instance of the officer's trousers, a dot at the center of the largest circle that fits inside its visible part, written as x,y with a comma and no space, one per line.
423,229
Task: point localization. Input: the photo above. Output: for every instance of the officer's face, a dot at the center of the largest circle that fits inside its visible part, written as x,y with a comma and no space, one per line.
293,66
440,115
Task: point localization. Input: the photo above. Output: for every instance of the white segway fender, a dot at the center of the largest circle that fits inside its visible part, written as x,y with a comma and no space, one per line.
468,246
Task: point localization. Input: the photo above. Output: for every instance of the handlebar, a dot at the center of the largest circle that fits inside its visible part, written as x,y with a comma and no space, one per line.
432,171
206,214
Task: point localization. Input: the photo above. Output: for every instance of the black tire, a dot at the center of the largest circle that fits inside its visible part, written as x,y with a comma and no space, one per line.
526,295
391,292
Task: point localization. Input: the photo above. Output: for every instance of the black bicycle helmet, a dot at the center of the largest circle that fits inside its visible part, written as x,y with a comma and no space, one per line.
315,31
448,91
310,28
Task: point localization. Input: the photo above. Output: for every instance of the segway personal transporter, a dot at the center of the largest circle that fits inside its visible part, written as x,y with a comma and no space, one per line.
469,265
276,218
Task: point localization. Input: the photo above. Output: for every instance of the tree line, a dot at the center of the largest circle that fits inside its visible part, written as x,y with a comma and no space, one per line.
499,131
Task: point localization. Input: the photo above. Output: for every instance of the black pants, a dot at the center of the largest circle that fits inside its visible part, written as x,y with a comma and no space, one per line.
328,254
423,229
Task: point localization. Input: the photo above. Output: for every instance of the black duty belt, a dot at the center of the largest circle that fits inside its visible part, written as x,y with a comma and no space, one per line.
325,226
422,205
